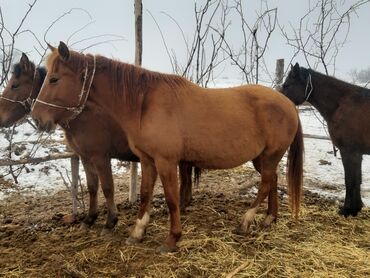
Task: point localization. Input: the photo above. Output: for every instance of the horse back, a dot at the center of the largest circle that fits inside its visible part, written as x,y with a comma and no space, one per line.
197,124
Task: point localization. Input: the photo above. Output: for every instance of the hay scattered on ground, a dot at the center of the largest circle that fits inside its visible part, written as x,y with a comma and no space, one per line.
35,243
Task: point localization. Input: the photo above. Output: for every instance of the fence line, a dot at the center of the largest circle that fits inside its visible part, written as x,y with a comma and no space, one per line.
36,160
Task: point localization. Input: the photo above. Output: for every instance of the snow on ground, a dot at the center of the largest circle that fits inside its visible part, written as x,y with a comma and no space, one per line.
323,171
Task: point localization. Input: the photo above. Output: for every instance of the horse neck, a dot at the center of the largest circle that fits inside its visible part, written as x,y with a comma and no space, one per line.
112,104
327,94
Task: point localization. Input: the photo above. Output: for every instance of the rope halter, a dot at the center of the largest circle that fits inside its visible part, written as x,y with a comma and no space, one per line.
26,103
307,93
83,96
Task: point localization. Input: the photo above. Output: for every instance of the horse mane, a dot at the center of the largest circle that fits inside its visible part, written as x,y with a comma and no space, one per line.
323,78
18,69
129,81
42,72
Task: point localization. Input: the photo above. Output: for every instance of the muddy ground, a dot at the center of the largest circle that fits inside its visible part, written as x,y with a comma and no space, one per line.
35,242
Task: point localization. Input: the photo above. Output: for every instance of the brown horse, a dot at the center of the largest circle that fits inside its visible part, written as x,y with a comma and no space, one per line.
94,136
344,107
168,119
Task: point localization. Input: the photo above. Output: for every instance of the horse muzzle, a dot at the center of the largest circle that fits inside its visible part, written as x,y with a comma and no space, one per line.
5,123
47,126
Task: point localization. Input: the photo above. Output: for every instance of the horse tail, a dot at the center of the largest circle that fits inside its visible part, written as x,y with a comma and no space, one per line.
197,174
186,170
295,171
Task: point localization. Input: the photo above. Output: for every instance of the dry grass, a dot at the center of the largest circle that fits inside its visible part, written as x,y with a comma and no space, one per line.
34,242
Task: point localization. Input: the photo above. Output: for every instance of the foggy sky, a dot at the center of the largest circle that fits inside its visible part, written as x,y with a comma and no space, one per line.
115,17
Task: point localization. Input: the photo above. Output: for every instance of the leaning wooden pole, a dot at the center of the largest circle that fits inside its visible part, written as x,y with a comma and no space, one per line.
279,73
138,7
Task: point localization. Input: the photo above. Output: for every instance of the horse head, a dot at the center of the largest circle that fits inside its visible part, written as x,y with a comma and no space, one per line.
65,89
297,85
22,88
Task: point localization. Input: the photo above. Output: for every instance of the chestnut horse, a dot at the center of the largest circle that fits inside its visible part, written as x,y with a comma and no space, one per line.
94,136
345,107
168,119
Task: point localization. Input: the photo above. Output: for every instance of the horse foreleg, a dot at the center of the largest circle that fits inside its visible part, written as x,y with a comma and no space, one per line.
149,176
168,174
92,181
352,174
104,170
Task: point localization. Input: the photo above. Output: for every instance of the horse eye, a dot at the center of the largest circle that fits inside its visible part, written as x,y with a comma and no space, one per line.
53,80
15,86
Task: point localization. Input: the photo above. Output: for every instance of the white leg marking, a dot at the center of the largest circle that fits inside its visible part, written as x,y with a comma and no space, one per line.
140,226
268,220
248,218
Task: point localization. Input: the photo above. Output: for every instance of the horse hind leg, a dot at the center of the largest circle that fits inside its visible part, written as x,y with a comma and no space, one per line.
352,172
185,170
104,170
149,176
267,166
92,181
272,196
273,204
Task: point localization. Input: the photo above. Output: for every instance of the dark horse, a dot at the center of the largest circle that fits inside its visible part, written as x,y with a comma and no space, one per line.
168,119
93,135
345,108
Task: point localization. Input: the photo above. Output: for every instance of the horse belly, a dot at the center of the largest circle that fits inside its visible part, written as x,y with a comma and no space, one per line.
219,154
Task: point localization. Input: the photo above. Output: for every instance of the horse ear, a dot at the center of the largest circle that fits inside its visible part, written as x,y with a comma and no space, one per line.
63,51
24,59
52,48
25,62
295,69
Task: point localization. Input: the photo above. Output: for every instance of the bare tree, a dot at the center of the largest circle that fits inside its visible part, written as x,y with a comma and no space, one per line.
360,76
8,40
322,31
204,52
255,37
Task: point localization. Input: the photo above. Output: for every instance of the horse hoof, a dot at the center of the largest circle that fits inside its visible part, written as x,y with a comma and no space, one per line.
268,221
348,212
240,231
69,219
84,227
132,240
106,232
164,249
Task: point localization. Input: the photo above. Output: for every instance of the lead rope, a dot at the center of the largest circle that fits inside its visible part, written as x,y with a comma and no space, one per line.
76,110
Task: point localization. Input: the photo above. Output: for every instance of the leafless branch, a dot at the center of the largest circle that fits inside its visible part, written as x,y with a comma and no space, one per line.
319,35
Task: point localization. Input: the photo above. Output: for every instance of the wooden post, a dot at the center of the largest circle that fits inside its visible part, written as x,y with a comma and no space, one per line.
138,7
75,161
279,73
75,164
